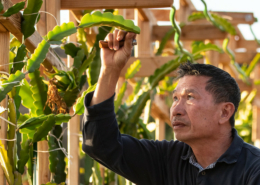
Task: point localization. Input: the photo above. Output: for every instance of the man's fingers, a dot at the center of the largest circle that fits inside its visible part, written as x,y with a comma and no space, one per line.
115,41
109,39
121,35
129,41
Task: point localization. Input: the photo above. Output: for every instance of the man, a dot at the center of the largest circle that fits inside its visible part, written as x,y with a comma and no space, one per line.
208,150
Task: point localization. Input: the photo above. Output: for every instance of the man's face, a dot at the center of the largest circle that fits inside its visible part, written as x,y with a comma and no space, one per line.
194,114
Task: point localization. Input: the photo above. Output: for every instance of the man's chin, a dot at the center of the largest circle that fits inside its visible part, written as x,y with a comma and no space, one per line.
181,137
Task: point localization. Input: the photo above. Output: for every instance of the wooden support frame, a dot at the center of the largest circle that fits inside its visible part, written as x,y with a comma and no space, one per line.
77,14
52,7
99,4
73,130
4,59
43,173
41,26
191,32
188,3
144,20
46,24
13,25
213,56
256,111
249,45
245,57
160,129
150,64
184,11
235,18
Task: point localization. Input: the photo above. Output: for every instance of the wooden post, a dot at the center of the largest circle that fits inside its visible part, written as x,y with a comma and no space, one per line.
46,24
186,8
160,129
145,21
41,25
213,56
160,111
43,172
144,46
4,59
256,111
73,150
52,7
73,131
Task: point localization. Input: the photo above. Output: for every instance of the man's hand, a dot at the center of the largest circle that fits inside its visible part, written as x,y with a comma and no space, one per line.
114,57
113,60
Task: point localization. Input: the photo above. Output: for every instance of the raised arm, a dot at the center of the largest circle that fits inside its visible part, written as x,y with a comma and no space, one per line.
141,161
113,61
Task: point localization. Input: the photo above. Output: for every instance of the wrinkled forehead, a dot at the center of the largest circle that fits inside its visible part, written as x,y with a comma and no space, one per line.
185,91
193,82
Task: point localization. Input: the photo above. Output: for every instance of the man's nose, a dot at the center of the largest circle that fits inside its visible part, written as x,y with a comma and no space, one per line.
177,109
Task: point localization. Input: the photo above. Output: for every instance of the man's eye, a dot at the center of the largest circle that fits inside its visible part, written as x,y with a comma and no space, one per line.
190,97
175,98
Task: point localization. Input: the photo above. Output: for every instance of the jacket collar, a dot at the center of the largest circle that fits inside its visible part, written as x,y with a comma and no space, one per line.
232,153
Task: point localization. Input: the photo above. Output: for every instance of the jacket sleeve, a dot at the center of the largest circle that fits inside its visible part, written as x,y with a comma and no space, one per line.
140,161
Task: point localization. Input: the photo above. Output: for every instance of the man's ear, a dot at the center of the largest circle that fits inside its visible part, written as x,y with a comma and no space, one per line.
227,111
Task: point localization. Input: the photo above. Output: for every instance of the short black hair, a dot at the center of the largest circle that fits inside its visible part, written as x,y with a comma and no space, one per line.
221,85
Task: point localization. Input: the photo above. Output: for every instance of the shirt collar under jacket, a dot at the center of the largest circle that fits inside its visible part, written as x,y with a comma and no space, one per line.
232,153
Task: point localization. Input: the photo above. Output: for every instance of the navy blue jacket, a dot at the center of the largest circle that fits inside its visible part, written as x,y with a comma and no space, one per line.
146,162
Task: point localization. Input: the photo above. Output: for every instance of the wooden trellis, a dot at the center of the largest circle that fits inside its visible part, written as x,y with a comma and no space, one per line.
146,19
4,59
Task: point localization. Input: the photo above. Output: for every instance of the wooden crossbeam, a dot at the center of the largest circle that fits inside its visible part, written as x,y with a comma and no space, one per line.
146,14
142,14
150,64
160,14
234,17
13,25
191,32
2,28
249,45
97,4
188,3
77,14
245,57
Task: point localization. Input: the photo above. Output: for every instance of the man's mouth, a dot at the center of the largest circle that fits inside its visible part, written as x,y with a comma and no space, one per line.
177,125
